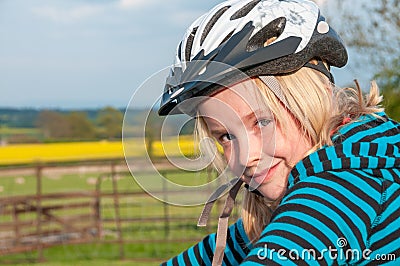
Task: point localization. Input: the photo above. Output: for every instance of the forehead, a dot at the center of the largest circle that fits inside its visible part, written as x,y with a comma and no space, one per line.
241,98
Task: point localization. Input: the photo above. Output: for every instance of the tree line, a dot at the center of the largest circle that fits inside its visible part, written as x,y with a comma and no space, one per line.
76,125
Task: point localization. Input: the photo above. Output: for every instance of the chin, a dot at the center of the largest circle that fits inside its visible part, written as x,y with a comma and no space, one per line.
272,194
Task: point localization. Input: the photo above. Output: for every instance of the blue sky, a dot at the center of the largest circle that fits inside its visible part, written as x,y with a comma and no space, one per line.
89,54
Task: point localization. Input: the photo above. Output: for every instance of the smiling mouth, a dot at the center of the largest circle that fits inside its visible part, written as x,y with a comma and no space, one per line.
263,176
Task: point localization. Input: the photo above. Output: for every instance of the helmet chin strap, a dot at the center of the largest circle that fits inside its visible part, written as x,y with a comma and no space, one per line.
222,230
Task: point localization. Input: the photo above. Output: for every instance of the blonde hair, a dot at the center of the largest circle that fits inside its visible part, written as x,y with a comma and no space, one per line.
319,107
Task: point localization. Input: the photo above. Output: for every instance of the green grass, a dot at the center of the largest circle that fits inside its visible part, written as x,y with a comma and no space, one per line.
9,131
140,206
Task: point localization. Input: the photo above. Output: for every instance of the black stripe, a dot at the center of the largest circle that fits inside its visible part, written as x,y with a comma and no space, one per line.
310,228
322,155
327,220
175,261
387,133
391,238
362,127
342,198
359,192
243,245
372,181
346,162
355,148
186,258
364,162
226,261
389,150
196,252
231,246
207,248
307,163
373,149
392,217
309,211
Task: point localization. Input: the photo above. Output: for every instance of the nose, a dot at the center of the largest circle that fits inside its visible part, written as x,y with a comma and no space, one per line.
249,151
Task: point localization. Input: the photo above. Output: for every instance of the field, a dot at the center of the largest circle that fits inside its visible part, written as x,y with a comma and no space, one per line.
77,151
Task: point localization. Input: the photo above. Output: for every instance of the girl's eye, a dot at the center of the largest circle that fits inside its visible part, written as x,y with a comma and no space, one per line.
263,122
226,137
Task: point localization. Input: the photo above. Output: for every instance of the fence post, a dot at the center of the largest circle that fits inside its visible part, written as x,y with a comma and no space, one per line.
16,223
39,168
166,205
117,213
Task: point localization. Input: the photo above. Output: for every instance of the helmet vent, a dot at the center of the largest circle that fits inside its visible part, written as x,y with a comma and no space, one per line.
189,44
267,34
211,23
180,51
227,37
245,10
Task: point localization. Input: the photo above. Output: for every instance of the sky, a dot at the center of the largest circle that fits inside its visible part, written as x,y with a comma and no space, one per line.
74,54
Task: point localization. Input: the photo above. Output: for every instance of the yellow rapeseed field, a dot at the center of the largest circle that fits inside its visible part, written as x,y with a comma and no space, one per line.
74,151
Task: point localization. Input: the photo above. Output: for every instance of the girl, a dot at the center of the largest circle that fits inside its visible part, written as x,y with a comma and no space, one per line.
321,164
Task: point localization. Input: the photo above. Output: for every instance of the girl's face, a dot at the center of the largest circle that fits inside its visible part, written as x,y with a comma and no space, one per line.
255,147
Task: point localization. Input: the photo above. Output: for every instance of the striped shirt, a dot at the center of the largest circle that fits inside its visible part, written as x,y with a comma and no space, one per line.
342,207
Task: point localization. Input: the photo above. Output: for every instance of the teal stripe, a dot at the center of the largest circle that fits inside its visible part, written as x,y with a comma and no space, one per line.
229,255
313,222
394,226
382,150
191,255
203,254
363,186
180,259
332,156
316,162
391,209
332,215
393,139
355,163
387,175
368,210
169,263
365,132
364,148
351,126
372,163
347,150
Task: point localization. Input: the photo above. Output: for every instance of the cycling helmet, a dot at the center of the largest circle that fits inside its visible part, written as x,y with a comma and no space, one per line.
235,33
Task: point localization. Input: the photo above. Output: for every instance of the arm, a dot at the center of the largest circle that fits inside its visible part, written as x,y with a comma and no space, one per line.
321,220
238,246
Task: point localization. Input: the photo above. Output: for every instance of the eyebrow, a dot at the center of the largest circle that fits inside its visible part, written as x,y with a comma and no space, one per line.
252,114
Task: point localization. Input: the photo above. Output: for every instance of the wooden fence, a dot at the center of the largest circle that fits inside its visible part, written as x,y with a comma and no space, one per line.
35,222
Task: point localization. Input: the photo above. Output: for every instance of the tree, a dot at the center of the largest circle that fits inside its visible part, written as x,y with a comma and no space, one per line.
53,124
389,83
369,27
80,127
110,121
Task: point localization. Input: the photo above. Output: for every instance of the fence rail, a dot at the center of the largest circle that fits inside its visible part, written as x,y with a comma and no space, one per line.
39,221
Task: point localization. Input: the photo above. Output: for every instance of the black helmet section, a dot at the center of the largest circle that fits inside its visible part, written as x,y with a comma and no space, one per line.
222,67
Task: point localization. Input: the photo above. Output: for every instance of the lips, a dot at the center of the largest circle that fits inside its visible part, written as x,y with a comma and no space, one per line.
265,175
